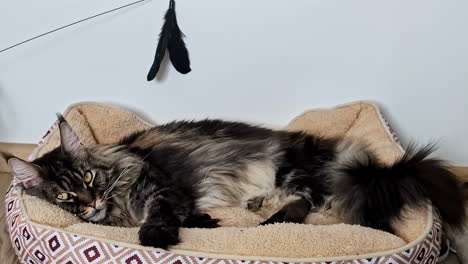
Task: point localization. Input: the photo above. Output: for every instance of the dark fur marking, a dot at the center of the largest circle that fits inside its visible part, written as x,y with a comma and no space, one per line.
293,212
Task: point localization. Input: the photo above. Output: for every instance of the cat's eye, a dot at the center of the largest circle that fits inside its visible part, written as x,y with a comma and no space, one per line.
65,197
88,177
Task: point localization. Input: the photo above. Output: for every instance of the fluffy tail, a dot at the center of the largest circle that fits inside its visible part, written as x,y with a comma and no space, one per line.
373,194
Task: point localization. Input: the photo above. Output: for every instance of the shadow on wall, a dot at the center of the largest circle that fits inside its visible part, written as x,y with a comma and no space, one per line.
393,124
6,112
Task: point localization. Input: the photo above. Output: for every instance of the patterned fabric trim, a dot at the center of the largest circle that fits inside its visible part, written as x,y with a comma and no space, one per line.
392,132
35,244
390,129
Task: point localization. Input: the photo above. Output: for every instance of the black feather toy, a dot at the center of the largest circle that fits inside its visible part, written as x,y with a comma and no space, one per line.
171,39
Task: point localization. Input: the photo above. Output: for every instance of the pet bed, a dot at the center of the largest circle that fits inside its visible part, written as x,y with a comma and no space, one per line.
43,233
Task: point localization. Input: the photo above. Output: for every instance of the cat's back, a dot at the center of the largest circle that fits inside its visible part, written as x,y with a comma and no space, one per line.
216,128
198,131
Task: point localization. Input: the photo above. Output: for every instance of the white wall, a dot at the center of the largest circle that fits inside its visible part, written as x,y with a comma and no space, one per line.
264,61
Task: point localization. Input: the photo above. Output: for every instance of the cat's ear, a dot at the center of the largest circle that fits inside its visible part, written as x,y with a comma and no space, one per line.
69,141
26,173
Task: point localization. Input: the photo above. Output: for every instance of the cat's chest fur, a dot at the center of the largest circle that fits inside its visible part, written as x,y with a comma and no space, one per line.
239,186
126,209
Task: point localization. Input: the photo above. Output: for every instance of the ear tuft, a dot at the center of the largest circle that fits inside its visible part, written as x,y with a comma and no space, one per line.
69,141
26,173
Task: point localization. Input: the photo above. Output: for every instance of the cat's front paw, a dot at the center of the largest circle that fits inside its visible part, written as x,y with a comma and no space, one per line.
159,236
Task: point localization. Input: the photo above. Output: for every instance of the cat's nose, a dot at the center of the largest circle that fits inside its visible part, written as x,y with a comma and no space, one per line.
86,197
92,204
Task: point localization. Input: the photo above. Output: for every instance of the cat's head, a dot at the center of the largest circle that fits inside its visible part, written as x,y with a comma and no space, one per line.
69,176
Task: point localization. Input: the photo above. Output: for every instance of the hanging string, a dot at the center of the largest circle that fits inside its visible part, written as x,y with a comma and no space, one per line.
71,24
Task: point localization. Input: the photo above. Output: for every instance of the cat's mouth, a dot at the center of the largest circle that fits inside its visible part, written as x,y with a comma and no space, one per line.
97,215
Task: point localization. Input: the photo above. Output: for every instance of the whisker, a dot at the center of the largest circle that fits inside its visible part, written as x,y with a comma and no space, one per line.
111,186
112,203
147,154
126,170
82,214
107,198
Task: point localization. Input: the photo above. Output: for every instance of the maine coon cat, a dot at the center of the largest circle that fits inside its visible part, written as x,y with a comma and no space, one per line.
164,178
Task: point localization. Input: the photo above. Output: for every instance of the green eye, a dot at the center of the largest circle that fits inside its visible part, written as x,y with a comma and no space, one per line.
64,196
88,177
